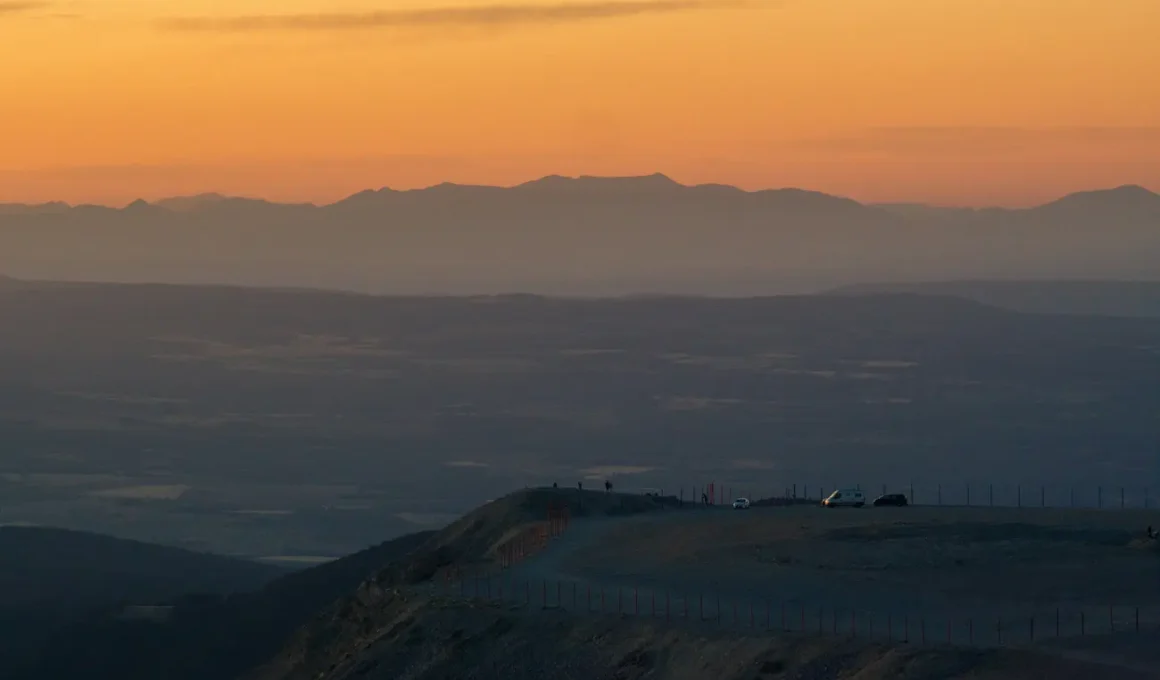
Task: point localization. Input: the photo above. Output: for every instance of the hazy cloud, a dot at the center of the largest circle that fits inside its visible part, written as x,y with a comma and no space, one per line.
489,16
17,6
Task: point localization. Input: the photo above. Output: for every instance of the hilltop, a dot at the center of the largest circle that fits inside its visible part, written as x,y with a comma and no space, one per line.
396,626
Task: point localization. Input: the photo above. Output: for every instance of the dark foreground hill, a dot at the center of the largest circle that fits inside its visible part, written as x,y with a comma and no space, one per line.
207,636
51,578
40,567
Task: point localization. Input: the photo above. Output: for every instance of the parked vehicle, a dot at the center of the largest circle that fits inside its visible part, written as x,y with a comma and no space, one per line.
896,499
851,498
741,504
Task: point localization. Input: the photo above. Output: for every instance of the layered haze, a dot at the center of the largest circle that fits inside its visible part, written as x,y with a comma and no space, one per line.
581,236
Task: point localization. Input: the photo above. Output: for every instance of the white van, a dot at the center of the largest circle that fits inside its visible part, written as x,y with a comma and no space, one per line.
845,498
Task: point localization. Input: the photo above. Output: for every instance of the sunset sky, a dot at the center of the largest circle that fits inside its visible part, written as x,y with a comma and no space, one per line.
971,102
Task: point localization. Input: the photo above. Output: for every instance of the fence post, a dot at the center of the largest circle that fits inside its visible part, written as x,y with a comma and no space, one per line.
906,629
1042,497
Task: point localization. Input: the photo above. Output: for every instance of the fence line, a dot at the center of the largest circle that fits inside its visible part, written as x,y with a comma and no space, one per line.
969,494
976,629
974,626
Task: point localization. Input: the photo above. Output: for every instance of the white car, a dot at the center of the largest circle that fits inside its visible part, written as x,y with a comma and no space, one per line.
845,498
741,504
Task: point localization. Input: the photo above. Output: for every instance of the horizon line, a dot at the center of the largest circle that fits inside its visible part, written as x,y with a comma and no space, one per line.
572,178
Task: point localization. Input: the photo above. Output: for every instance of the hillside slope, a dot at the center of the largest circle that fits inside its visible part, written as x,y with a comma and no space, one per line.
399,636
42,567
51,578
211,637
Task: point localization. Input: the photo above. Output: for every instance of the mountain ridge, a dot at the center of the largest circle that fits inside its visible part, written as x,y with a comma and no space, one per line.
590,236
656,182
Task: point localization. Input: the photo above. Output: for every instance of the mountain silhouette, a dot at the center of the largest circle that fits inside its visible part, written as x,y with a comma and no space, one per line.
582,235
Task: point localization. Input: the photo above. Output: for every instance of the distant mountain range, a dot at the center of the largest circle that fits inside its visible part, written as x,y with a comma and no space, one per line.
587,235
1106,298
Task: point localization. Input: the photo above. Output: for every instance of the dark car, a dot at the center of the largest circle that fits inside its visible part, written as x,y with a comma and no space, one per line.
890,499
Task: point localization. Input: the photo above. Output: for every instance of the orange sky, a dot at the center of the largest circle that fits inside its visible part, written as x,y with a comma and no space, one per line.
948,101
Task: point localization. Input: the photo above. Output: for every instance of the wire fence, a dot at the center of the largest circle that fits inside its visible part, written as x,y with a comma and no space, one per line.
964,494
975,628
979,624
972,627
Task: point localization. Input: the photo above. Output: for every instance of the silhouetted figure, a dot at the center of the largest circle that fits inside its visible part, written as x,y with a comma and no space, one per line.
607,486
555,486
1151,534
704,498
580,486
